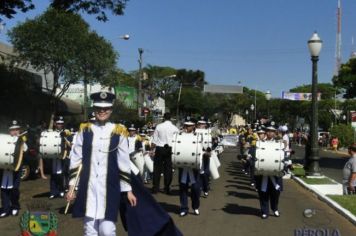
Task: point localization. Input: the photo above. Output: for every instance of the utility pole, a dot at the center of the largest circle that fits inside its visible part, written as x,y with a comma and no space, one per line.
139,89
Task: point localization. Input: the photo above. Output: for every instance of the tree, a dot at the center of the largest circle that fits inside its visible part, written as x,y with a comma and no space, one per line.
347,78
8,8
60,42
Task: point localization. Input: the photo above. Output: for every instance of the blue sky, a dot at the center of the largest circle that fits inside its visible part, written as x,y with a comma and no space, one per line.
261,43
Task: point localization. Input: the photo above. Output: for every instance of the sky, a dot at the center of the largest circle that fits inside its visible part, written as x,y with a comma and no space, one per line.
255,43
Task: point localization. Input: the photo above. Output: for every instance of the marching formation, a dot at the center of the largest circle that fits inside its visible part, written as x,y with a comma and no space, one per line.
103,168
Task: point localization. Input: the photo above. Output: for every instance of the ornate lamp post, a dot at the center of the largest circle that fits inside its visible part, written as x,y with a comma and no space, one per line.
268,97
313,168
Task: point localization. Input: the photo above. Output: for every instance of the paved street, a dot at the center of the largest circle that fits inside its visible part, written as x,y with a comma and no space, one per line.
231,209
331,163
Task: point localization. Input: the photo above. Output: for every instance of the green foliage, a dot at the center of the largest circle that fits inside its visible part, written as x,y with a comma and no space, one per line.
98,7
51,42
8,7
60,42
347,78
344,133
347,201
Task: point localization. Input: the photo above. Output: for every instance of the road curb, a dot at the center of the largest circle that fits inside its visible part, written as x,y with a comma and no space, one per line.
336,206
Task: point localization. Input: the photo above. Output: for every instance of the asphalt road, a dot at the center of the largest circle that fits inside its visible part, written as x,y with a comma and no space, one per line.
331,163
232,208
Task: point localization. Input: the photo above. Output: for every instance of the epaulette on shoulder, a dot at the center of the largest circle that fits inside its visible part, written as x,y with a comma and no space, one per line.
67,132
121,130
85,126
24,138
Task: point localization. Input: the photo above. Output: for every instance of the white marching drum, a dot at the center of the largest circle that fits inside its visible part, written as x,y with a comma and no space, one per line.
50,144
270,156
207,140
11,152
213,169
187,150
139,161
214,157
148,162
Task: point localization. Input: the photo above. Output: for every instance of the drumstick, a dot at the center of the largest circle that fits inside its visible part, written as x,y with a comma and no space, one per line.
73,189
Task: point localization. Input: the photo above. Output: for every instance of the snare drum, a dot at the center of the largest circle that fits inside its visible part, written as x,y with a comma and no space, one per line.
50,144
270,156
207,140
187,150
11,152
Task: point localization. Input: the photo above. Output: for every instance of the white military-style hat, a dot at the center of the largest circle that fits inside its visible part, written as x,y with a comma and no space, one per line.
103,99
132,127
189,121
59,120
14,125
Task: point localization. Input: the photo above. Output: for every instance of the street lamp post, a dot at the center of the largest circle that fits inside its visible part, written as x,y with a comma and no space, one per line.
268,97
139,87
246,112
313,168
252,107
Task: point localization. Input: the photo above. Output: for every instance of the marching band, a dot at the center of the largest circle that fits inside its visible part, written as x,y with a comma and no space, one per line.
88,164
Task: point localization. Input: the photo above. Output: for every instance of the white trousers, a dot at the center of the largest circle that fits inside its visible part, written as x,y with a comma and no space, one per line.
97,227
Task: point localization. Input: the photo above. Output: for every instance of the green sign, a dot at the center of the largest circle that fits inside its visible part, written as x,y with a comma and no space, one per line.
127,95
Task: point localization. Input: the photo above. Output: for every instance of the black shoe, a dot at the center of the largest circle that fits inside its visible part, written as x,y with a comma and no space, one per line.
14,212
52,196
167,191
154,191
183,213
4,214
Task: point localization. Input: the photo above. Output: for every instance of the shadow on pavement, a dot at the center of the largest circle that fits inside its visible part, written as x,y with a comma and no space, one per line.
241,210
241,195
41,195
170,207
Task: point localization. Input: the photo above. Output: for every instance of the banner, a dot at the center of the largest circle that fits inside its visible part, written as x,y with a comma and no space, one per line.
353,119
127,95
298,96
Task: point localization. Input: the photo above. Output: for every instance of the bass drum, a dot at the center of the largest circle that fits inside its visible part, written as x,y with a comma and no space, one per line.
187,150
207,139
11,152
51,144
148,162
269,158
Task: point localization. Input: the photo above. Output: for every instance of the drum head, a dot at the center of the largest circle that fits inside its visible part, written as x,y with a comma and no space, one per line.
18,154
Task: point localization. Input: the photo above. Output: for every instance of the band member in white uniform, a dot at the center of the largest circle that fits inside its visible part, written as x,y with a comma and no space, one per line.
269,187
162,137
135,144
205,173
57,171
10,181
189,177
102,150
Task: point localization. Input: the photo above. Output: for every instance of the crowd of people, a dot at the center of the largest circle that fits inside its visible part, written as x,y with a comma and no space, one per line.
95,168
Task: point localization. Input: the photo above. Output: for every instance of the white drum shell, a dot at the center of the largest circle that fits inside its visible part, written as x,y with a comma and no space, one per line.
270,156
207,139
139,161
134,168
148,162
214,158
50,144
7,150
187,150
214,172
